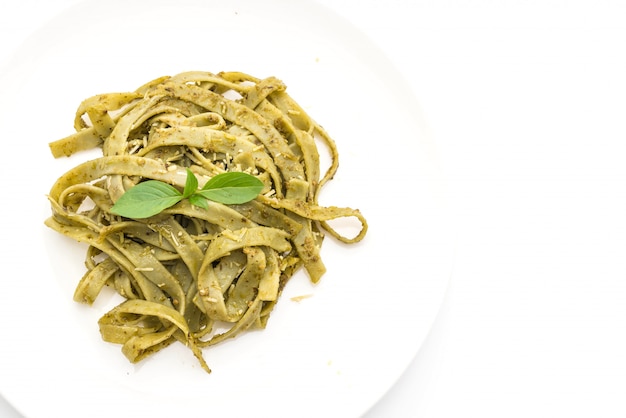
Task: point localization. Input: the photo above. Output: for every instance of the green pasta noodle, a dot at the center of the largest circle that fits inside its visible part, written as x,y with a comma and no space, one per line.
184,270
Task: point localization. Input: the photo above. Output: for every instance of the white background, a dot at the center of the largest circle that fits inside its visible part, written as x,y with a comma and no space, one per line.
526,100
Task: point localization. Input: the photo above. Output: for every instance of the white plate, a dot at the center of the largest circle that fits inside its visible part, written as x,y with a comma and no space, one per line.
335,353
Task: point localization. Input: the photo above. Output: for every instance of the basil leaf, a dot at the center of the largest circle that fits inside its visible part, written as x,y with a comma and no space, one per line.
191,184
232,188
197,200
146,199
150,197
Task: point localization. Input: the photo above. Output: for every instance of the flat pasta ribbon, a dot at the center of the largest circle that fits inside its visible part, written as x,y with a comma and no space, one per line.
185,271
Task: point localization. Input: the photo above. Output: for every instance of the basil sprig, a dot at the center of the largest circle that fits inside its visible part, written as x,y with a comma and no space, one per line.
151,197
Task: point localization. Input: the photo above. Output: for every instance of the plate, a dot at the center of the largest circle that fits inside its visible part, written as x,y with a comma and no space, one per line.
336,352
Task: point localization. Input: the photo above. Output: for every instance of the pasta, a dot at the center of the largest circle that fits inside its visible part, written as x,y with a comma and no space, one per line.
188,271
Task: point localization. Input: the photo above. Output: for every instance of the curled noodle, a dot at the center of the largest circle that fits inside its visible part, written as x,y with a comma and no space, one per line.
186,269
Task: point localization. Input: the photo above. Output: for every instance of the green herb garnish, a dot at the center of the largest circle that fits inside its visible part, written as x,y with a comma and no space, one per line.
151,197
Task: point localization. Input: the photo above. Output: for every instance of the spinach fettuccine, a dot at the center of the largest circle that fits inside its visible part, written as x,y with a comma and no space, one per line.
196,275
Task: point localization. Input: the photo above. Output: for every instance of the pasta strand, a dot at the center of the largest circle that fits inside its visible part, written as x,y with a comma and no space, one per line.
188,268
